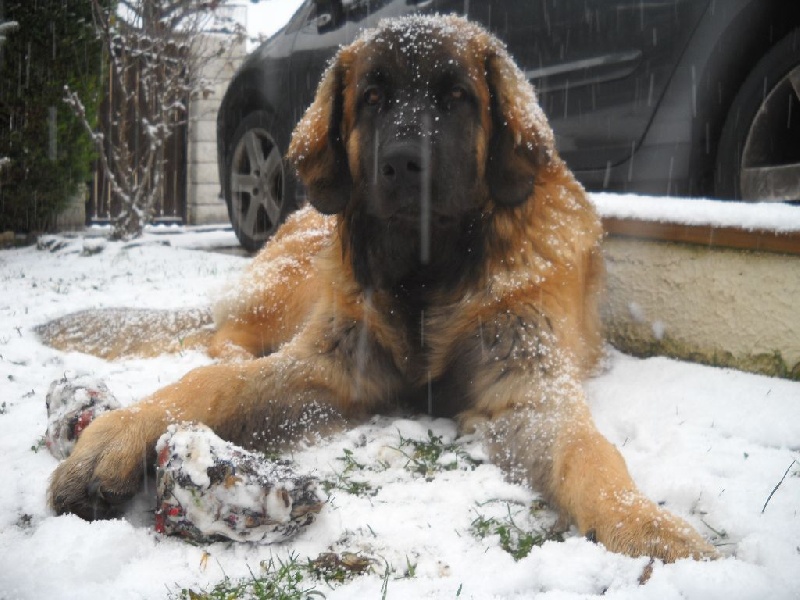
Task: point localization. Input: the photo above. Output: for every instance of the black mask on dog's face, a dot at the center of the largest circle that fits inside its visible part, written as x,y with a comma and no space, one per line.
414,136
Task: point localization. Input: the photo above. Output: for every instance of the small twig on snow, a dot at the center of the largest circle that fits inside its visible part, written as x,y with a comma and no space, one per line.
775,489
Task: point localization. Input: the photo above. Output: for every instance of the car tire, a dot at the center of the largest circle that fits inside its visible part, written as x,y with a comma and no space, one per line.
257,184
758,156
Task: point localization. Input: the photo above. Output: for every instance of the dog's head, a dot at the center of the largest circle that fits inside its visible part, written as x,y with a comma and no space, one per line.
418,126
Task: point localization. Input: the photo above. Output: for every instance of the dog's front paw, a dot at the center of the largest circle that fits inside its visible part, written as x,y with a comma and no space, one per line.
104,470
641,528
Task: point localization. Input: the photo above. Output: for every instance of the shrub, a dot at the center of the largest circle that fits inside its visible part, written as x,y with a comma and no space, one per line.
48,150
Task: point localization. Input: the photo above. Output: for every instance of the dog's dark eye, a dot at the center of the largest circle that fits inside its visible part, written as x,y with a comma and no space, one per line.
373,95
457,93
453,96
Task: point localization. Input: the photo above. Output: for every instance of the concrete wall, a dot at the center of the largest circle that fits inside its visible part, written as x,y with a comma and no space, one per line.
711,305
203,205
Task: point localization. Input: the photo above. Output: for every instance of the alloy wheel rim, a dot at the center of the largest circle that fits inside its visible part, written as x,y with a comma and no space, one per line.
257,185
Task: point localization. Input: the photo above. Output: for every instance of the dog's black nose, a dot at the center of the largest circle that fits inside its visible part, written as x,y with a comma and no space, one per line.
401,166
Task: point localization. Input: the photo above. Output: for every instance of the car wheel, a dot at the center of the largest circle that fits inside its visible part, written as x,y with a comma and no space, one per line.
256,188
759,150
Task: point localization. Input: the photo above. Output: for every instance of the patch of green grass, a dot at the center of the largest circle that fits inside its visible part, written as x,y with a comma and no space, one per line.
425,458
517,540
292,579
344,481
278,580
40,443
411,569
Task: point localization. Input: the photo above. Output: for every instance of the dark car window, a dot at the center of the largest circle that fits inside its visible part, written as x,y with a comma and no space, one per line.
300,17
329,15
328,25
599,66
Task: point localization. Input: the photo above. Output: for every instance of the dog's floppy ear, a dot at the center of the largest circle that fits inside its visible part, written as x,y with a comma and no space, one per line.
522,141
317,148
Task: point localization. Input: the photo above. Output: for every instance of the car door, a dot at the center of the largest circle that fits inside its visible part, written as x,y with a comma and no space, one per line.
600,66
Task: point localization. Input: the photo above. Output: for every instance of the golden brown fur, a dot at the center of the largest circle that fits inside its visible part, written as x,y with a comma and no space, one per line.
330,337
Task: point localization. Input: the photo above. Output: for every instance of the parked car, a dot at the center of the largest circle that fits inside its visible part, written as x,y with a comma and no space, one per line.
686,97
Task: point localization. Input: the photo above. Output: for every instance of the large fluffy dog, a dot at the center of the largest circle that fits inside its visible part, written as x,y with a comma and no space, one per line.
458,275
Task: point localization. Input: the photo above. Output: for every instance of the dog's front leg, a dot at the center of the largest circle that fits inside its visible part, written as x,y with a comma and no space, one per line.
258,404
527,396
551,441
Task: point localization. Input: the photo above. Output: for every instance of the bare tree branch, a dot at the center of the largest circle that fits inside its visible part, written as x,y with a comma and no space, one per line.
155,69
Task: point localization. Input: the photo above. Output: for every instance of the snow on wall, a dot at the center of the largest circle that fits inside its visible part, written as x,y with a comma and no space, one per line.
750,216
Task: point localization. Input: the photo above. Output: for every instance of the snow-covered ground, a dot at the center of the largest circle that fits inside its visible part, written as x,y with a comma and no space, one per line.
711,444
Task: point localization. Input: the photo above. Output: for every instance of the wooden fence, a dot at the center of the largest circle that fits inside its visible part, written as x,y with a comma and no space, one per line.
171,202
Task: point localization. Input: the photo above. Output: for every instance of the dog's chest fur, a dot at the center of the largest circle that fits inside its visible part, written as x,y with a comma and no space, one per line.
432,382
